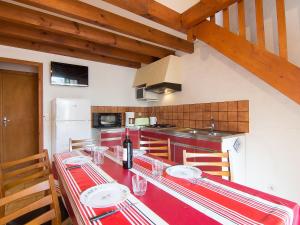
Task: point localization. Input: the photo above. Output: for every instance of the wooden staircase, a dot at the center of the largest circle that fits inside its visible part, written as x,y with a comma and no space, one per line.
274,69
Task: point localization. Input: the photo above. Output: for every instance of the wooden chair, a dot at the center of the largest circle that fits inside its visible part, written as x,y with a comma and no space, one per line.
42,210
220,160
79,144
24,171
160,148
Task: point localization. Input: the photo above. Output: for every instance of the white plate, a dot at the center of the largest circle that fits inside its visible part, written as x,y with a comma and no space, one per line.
104,195
185,172
77,160
138,152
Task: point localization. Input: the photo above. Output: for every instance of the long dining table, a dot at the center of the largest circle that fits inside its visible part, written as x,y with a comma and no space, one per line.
169,200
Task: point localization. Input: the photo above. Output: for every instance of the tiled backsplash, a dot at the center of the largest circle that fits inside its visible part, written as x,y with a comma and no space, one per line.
228,116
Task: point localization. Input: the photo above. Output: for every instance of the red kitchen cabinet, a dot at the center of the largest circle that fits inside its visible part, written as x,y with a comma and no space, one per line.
116,137
234,145
178,144
111,138
178,153
134,135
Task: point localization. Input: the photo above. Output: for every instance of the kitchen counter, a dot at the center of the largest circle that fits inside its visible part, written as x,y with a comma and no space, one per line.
199,134
216,136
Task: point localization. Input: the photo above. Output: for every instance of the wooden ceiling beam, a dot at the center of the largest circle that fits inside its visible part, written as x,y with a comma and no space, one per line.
99,17
17,14
202,10
31,45
31,34
152,10
274,70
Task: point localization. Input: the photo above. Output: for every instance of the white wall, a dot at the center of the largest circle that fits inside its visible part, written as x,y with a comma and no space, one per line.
108,84
273,144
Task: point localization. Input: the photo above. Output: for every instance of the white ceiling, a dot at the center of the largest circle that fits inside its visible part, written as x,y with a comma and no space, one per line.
178,5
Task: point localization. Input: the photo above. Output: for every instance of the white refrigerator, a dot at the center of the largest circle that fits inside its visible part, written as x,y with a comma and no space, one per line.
71,118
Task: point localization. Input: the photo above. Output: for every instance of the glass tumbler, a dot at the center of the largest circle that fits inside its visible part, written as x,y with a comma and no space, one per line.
118,152
90,148
157,167
98,157
139,185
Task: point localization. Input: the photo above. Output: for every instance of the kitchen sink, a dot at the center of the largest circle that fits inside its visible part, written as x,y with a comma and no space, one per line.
195,133
201,132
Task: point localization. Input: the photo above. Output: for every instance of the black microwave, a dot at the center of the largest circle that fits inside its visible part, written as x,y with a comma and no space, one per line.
107,120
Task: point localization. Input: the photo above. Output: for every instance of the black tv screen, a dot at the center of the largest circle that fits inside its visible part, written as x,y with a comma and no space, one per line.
68,74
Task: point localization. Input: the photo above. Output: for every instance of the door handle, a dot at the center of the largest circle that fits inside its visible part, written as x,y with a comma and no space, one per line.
5,121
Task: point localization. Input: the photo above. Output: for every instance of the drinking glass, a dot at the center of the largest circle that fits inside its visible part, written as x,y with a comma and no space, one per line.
157,167
98,157
139,185
100,148
118,152
90,147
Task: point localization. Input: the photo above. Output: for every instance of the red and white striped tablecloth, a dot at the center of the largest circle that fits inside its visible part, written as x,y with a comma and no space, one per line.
169,200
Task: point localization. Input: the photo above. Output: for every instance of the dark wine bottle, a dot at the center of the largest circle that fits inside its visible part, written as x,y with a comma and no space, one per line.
127,151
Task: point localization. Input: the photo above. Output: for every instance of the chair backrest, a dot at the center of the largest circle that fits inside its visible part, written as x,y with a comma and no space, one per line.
22,171
51,200
160,148
79,143
219,160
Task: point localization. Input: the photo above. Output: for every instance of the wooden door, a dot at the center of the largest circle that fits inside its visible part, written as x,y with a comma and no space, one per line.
19,106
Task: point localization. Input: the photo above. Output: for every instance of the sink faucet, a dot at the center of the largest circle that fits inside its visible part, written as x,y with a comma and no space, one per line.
212,125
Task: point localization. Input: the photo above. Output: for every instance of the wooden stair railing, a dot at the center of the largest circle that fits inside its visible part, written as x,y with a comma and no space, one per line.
281,24
273,69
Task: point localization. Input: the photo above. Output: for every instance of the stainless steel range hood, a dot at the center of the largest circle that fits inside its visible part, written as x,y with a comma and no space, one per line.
162,76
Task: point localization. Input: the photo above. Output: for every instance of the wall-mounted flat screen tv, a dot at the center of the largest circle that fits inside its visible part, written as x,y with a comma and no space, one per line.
69,75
